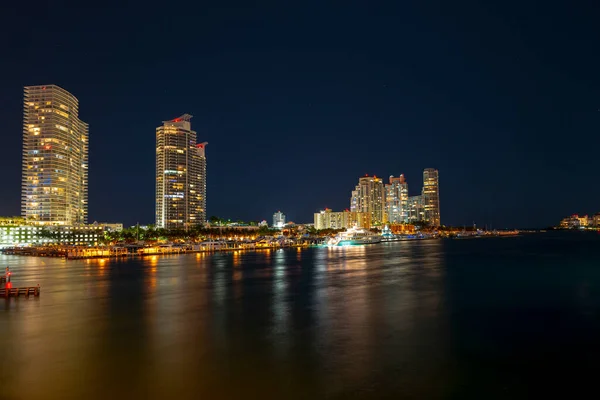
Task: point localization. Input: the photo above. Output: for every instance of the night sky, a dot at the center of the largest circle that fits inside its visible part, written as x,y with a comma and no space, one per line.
298,101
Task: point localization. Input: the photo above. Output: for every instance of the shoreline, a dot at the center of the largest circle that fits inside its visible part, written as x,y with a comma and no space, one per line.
100,253
135,251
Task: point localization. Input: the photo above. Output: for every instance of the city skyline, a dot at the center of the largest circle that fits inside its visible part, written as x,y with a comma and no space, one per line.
180,191
296,103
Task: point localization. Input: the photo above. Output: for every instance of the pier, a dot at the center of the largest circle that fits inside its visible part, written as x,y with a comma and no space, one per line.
9,291
23,291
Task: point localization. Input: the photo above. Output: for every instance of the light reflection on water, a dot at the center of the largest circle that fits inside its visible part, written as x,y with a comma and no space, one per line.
359,321
183,324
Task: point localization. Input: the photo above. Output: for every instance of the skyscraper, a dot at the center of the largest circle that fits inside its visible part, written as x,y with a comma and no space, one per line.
431,196
403,199
415,209
278,219
397,200
369,197
55,158
180,175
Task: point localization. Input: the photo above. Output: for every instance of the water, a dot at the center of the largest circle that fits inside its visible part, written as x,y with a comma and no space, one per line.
476,318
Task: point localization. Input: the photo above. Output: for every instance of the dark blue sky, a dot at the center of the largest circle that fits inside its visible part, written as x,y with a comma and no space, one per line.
298,101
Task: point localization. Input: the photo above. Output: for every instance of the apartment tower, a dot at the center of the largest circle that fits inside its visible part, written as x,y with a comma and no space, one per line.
396,196
180,175
55,158
369,197
431,196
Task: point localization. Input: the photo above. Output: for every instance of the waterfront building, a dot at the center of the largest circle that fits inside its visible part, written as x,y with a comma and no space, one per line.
596,220
369,197
416,210
564,223
402,229
574,222
403,199
55,158
327,219
12,221
110,226
431,197
27,234
278,220
396,196
180,175
584,221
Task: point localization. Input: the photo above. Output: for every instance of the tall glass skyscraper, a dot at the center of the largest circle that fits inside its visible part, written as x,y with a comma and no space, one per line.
180,175
431,196
55,158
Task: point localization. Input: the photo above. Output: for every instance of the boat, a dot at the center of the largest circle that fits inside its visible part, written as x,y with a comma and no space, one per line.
388,236
354,236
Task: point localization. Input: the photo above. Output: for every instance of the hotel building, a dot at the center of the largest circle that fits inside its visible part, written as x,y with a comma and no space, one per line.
431,196
180,175
55,158
369,197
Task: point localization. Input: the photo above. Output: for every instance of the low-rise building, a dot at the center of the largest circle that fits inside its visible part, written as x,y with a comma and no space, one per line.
110,226
575,222
17,232
327,219
402,228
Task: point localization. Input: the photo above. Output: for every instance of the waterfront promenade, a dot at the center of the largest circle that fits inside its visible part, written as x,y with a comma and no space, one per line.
135,250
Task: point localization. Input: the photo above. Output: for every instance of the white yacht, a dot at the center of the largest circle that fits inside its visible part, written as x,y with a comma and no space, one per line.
354,236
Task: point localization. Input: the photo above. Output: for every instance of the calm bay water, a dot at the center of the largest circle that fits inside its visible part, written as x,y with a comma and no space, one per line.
476,318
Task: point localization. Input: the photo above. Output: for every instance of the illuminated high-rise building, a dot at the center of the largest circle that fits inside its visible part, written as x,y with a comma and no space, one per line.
403,199
278,220
415,209
396,200
369,197
180,175
431,196
55,158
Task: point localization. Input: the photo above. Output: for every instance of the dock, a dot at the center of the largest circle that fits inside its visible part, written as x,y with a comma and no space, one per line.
23,291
